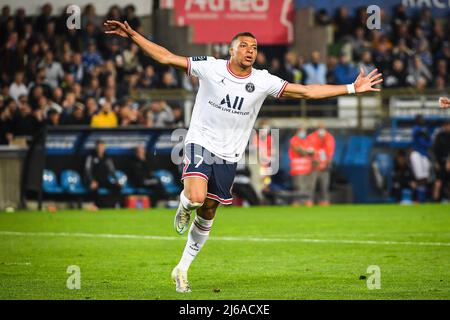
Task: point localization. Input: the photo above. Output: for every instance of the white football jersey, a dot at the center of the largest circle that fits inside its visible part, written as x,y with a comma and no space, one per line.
227,105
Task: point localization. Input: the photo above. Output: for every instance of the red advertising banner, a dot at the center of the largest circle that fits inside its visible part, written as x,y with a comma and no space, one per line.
217,21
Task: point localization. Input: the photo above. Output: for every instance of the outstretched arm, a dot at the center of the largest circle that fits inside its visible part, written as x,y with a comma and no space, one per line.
444,102
156,52
362,84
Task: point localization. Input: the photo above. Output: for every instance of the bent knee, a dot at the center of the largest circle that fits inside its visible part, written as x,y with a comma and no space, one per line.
196,197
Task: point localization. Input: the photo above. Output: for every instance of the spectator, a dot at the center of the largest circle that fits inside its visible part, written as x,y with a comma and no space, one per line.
439,85
421,84
441,70
126,115
99,173
261,61
359,43
315,71
53,69
324,145
332,62
114,13
402,52
105,118
366,62
109,95
242,186
91,57
76,68
322,18
115,55
275,68
77,117
425,22
441,151
130,17
68,105
93,89
382,57
148,79
397,77
345,71
18,88
68,82
168,81
162,114
145,118
301,155
27,122
91,108
131,60
12,55
178,116
50,36
293,67
90,35
343,23
402,176
419,157
140,174
44,18
7,121
53,117
419,70
41,83
90,16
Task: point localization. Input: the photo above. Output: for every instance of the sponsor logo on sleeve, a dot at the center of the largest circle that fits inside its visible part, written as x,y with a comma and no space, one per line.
200,58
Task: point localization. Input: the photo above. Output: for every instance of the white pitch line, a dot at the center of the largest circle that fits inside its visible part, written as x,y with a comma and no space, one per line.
250,239
16,263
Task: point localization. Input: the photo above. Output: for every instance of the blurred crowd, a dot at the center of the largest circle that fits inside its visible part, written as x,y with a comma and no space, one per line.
410,50
50,75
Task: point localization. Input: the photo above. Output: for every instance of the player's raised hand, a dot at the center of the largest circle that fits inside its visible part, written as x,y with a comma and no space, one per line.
365,83
444,102
118,28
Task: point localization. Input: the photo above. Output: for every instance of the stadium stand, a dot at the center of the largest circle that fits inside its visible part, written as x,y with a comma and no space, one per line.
51,78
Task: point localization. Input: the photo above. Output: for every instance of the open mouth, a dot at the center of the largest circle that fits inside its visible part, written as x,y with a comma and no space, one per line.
248,59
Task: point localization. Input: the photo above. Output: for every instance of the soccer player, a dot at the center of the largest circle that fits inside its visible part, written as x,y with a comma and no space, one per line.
230,95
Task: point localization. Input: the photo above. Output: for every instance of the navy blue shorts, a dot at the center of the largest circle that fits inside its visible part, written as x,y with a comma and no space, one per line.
199,162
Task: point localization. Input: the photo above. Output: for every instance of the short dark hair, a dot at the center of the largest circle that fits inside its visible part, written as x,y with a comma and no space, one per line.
242,34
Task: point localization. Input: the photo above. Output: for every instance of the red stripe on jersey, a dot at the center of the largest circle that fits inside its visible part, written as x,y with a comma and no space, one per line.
235,75
194,174
223,201
188,70
282,89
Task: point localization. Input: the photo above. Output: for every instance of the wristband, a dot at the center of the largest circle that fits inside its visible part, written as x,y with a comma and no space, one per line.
351,88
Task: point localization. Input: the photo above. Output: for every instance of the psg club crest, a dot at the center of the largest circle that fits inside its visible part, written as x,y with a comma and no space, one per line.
250,87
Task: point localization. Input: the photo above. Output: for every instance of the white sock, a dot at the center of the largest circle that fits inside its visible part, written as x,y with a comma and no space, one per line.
198,234
187,204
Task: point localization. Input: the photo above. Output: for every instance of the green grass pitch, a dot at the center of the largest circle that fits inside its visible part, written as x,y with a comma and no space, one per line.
253,253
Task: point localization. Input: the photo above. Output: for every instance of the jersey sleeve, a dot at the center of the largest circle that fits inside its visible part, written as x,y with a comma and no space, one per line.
199,66
275,85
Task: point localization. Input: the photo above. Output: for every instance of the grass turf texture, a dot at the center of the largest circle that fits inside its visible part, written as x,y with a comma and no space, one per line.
244,265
